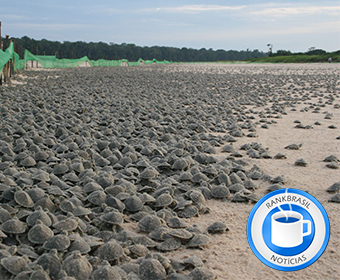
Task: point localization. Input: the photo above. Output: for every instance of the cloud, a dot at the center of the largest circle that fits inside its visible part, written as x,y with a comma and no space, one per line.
48,26
294,11
13,17
195,8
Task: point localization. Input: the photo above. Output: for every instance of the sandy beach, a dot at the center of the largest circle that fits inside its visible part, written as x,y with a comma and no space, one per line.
120,122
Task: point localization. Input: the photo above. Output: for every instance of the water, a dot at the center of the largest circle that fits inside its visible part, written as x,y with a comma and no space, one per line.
287,220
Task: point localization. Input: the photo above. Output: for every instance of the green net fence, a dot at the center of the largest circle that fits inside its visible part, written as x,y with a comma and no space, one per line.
108,63
49,61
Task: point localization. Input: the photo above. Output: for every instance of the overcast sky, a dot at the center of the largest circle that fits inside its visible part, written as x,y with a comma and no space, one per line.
237,25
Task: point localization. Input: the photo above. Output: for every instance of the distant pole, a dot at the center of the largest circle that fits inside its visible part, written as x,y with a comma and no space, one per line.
270,49
72,53
0,37
6,42
36,50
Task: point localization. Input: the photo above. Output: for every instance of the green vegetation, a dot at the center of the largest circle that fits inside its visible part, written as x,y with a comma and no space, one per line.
131,52
288,57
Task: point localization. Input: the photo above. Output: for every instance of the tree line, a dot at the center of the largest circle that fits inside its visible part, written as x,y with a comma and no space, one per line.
131,52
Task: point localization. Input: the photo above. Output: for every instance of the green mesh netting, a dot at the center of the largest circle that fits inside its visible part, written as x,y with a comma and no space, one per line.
4,58
137,63
8,55
107,63
49,61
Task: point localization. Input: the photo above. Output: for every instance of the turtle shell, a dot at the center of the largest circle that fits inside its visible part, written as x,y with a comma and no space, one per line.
69,224
334,188
59,242
38,214
151,269
220,191
149,223
198,240
180,233
176,222
170,244
164,200
77,266
23,199
39,233
133,203
106,272
110,251
217,227
14,264
13,226
202,273
113,217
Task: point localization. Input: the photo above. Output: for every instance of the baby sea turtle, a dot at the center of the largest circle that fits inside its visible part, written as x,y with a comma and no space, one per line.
133,203
106,272
239,197
170,244
293,146
274,187
149,223
202,273
38,214
180,164
39,233
198,177
160,234
333,165
137,251
50,262
217,227
280,156
15,264
334,187
198,241
58,242
234,188
176,222
13,226
180,233
68,224
148,173
188,212
23,199
220,191
77,266
331,158
193,262
79,244
281,179
110,251
300,162
335,198
39,273
196,196
163,200
151,269
113,217
144,240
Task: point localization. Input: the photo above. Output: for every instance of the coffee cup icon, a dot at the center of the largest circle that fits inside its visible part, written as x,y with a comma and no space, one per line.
287,229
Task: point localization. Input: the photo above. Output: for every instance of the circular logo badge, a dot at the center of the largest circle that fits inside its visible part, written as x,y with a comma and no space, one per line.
288,229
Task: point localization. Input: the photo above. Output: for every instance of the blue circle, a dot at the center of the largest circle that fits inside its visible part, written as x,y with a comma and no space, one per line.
267,236
316,256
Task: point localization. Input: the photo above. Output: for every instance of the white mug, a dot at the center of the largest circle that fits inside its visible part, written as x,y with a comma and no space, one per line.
287,229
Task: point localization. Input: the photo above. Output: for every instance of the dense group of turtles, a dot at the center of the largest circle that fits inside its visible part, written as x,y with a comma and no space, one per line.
85,154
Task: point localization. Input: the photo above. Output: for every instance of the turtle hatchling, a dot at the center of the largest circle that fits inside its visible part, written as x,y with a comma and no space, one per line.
198,241
217,227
